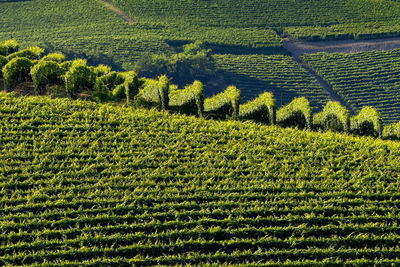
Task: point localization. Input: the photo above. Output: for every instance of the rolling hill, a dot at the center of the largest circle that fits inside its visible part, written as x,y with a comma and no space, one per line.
87,183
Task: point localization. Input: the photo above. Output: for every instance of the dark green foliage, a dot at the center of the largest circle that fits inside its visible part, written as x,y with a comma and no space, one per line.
17,70
368,122
46,73
334,117
3,62
392,131
195,62
79,78
56,57
32,53
112,79
131,85
102,70
189,100
224,104
101,91
8,47
261,109
297,113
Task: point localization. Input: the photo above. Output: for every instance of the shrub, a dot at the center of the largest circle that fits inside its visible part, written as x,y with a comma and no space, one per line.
296,113
56,57
334,117
102,70
3,62
101,91
261,109
224,104
391,131
17,70
189,100
8,47
112,79
131,85
46,73
154,93
31,53
368,122
79,78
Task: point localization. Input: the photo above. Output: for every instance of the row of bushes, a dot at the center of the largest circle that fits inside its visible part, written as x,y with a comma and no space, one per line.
52,74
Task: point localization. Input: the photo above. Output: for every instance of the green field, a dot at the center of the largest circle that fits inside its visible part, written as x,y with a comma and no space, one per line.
278,74
87,183
363,79
87,29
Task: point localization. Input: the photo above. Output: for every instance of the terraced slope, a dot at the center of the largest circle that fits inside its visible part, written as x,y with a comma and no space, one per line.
254,74
83,183
368,78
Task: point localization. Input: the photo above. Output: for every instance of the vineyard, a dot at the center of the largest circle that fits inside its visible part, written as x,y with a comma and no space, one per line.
86,183
363,79
279,74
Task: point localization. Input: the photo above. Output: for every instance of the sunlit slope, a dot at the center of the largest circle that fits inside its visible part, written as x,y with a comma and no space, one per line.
88,183
363,79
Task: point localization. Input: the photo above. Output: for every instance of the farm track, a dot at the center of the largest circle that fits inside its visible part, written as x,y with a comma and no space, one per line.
117,11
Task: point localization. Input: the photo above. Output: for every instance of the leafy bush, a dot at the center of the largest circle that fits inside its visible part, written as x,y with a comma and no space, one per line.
56,57
131,85
154,93
32,53
391,131
189,100
102,70
296,113
17,70
8,47
79,78
112,79
3,62
261,109
368,122
334,117
224,104
46,73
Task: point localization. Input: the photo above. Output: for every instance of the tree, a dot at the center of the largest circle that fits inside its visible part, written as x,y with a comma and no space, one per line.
8,47
79,78
17,70
56,57
46,73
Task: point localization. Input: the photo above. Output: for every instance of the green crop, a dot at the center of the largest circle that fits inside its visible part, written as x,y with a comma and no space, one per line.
99,184
363,79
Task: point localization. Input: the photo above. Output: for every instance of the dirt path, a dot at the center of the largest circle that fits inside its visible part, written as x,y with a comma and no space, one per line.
117,11
342,46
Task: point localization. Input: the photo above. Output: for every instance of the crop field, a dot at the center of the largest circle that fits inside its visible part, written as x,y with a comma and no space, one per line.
279,74
88,183
363,79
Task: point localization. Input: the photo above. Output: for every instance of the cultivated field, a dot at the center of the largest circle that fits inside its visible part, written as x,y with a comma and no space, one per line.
97,184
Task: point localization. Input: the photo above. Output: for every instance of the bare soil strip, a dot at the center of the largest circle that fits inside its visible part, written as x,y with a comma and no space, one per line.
119,12
340,46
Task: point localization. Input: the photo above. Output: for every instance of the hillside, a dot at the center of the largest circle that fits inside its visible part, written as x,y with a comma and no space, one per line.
91,183
93,29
